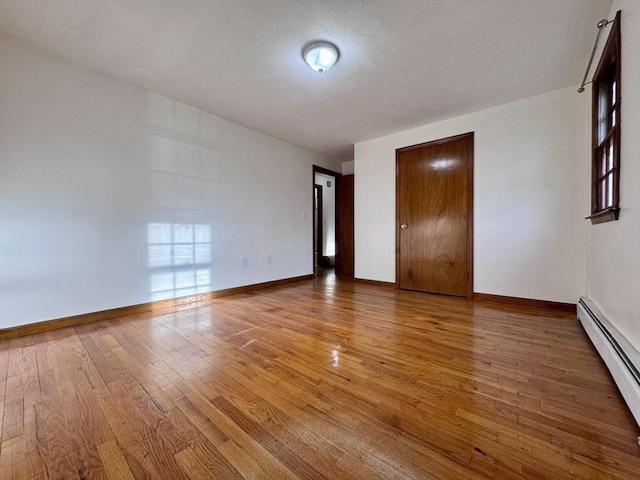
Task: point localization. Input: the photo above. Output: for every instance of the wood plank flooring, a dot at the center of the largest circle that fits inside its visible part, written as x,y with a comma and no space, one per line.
323,379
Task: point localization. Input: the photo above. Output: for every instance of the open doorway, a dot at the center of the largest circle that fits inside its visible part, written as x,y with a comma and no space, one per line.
333,234
324,216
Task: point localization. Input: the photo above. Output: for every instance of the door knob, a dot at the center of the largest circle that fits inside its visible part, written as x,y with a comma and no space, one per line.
403,226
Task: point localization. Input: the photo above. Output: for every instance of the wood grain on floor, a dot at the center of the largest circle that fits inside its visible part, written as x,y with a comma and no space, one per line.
325,378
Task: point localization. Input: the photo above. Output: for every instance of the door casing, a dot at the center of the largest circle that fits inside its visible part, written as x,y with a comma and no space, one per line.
317,224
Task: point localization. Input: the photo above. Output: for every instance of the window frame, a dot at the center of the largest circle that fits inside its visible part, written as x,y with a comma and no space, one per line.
605,133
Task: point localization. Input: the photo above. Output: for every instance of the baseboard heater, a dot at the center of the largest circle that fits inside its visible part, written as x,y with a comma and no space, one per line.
621,358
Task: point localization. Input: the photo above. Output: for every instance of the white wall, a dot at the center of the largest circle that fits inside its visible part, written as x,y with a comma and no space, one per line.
613,248
111,195
348,168
530,196
328,213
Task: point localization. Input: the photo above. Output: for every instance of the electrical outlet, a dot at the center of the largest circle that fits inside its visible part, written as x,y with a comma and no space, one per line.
269,258
245,261
305,215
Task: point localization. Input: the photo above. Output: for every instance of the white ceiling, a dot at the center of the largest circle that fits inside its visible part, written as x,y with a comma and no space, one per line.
403,63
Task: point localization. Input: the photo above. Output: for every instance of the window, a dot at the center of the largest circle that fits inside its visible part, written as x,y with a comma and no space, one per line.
605,169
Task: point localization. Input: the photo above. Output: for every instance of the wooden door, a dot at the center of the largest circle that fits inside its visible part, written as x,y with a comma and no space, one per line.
344,226
434,216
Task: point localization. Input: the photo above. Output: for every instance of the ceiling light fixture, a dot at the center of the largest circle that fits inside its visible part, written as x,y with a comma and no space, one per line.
320,56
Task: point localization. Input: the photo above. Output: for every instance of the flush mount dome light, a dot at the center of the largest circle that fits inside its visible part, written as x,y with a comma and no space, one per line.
320,56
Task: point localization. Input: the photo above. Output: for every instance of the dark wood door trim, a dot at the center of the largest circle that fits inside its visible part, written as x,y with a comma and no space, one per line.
470,137
325,171
318,236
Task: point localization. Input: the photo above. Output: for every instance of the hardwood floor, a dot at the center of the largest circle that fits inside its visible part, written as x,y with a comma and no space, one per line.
325,378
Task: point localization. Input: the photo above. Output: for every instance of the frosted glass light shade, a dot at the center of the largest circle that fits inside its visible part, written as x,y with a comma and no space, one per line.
320,56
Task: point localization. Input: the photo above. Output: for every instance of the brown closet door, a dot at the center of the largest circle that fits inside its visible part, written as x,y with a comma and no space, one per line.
434,212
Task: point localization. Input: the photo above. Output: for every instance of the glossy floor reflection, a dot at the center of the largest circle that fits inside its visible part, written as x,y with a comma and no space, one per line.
319,379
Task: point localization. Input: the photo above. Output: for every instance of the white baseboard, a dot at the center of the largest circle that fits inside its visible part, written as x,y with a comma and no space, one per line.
621,358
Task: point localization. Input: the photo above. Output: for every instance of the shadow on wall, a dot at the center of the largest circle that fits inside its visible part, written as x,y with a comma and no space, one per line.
184,169
184,174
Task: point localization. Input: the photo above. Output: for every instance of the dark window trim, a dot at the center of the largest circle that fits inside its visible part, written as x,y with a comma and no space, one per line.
607,72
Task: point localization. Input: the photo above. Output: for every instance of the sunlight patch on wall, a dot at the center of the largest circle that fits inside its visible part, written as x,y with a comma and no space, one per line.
179,257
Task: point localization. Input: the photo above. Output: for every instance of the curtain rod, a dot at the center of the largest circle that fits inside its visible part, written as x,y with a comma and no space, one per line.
601,24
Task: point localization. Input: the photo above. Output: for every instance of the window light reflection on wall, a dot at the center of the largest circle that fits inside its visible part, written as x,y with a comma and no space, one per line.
179,257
